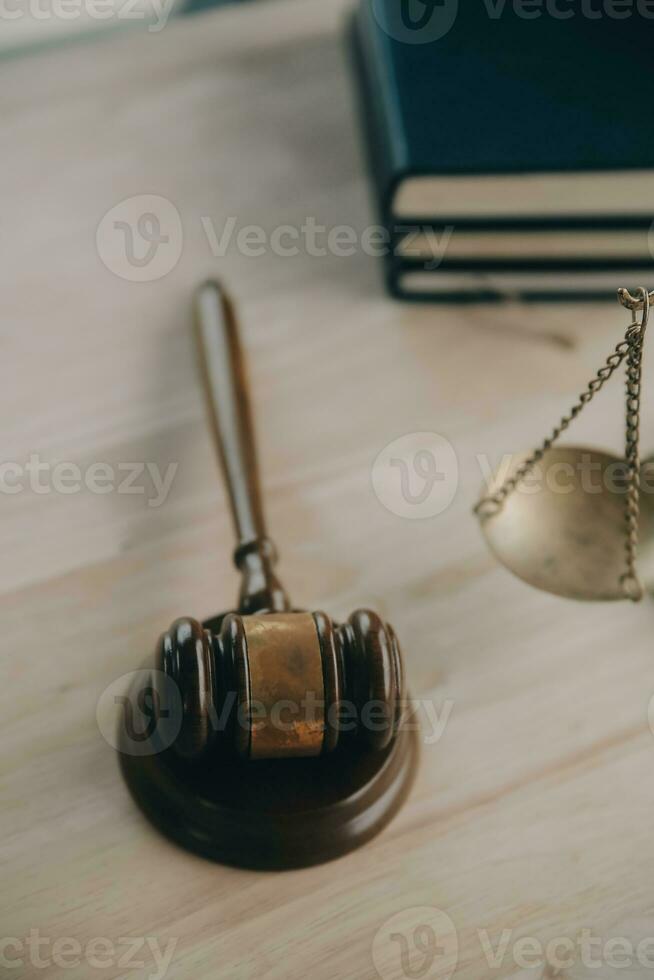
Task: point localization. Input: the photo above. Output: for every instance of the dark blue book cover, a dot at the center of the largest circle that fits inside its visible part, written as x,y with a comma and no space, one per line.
486,89
518,114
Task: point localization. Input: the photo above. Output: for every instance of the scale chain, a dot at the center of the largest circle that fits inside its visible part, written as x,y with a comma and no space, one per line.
630,582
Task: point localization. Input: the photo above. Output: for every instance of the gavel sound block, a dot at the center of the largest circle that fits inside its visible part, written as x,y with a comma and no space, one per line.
285,742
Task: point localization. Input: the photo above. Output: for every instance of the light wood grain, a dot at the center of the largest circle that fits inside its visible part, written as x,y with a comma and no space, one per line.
534,810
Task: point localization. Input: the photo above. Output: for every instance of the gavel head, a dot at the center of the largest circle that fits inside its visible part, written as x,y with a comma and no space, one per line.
288,684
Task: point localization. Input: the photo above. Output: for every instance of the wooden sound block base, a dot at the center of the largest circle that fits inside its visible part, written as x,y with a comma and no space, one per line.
274,814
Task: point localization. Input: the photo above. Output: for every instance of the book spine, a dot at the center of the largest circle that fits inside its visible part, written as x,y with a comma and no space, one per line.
379,110
542,282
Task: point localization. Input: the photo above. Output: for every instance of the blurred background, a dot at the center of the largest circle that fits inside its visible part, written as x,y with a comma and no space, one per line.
24,35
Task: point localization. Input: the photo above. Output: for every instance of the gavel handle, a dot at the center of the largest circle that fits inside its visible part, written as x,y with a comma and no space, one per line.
223,374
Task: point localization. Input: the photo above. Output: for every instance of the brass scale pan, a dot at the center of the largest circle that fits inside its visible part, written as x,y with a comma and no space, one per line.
573,520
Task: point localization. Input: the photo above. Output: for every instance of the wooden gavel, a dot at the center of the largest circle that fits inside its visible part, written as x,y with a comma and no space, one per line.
268,681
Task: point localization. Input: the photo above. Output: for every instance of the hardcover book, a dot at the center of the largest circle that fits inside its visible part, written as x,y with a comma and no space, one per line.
525,140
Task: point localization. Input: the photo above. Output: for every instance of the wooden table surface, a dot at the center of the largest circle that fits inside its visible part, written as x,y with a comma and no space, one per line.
531,817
